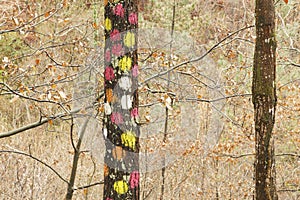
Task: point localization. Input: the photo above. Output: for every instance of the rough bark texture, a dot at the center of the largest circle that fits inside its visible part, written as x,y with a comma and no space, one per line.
121,133
264,99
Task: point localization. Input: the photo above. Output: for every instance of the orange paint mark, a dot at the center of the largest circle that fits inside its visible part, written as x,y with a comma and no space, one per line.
118,153
109,95
106,170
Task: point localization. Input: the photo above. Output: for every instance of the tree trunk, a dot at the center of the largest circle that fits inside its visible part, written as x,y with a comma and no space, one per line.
264,99
120,130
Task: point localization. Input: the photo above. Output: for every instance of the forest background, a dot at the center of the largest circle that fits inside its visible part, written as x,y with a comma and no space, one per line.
51,71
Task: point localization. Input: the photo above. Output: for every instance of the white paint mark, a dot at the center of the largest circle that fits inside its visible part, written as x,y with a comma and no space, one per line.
126,102
125,83
107,109
271,110
105,133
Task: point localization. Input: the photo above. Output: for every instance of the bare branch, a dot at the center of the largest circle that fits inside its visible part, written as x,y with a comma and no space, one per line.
235,156
253,154
88,186
295,64
288,154
24,128
195,59
36,159
57,63
38,123
27,97
290,82
217,99
34,99
289,190
32,20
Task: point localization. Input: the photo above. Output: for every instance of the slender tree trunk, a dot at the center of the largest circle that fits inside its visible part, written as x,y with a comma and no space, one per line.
120,130
77,152
264,99
163,170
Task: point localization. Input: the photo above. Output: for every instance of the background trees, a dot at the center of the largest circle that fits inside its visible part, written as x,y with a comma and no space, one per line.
205,169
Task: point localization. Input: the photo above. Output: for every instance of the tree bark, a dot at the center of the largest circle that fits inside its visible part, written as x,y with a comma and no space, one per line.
264,99
120,130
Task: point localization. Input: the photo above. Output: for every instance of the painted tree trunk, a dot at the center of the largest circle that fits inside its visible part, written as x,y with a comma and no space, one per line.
264,99
120,130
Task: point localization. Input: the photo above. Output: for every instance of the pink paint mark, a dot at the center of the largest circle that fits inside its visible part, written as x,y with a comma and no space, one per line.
115,35
133,18
117,50
119,10
135,71
116,118
107,55
109,74
134,112
134,179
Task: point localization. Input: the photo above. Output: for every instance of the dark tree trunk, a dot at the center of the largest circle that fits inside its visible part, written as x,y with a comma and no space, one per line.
264,99
120,130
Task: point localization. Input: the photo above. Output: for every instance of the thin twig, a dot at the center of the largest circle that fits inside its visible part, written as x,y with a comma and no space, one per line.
195,59
288,154
253,154
28,23
39,123
289,190
295,64
88,186
36,159
217,99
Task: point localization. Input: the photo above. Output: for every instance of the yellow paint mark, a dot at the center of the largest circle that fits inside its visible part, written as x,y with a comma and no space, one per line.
121,187
125,63
129,39
128,139
107,24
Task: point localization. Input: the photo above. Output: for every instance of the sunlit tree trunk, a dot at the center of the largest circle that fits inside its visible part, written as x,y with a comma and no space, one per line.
264,99
121,133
